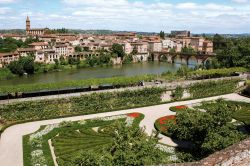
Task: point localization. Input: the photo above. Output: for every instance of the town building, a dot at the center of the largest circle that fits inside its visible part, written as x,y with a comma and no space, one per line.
180,33
6,58
34,31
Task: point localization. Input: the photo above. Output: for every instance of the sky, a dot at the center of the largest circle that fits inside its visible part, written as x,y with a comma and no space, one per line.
199,16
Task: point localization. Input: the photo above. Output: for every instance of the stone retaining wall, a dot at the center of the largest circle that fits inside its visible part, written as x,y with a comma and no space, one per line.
235,155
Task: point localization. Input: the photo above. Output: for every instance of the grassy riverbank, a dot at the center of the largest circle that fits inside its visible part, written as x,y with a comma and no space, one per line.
115,81
6,74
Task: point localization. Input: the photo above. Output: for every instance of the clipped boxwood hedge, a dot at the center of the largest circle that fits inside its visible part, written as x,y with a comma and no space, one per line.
178,108
213,88
215,73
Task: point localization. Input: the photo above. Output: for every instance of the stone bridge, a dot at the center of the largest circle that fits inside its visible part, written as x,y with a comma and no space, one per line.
181,58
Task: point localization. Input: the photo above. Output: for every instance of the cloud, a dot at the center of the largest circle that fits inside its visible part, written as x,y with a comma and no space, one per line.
209,6
7,1
136,15
4,10
241,1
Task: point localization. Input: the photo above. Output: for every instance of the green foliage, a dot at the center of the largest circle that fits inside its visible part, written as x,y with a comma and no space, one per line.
55,31
232,52
188,50
177,93
216,73
213,88
128,59
183,71
118,50
178,108
114,143
220,138
130,146
103,59
86,104
209,131
78,48
11,44
116,81
73,61
5,73
162,35
23,65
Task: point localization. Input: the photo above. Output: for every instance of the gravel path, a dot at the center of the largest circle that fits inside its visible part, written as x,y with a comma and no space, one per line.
11,150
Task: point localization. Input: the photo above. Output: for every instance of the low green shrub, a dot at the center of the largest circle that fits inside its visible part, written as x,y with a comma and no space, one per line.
6,74
213,88
178,108
177,93
216,73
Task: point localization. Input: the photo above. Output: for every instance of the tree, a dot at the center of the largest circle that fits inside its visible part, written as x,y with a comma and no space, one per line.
188,50
162,35
23,65
16,68
28,64
208,131
62,60
128,59
118,49
78,48
57,64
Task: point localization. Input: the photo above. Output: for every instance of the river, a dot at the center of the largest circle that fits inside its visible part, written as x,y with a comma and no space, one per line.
97,72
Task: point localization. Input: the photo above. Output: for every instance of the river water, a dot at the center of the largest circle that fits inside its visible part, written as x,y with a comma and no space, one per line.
97,72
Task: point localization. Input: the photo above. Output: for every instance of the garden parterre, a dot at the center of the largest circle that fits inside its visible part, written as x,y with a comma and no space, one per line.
70,138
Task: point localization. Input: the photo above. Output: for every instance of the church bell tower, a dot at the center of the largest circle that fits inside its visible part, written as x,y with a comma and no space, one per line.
27,23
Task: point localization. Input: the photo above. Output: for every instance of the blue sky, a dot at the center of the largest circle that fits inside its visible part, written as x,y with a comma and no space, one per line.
199,16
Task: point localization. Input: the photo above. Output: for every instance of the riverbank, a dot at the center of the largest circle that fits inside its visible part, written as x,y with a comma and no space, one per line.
126,70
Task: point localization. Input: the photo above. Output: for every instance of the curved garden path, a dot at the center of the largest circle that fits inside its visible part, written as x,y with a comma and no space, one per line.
11,150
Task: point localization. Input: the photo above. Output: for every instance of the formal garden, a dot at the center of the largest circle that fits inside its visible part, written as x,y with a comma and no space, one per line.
115,140
208,126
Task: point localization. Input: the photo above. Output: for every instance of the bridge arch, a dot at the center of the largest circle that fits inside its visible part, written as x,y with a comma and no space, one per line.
178,59
192,60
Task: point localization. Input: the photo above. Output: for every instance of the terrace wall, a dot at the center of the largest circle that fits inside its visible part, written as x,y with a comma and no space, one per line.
235,155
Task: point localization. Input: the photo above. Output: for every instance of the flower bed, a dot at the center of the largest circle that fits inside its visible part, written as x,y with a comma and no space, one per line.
178,108
162,123
134,115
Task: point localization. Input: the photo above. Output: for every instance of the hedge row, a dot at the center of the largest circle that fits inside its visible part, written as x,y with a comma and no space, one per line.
116,81
86,104
215,73
213,88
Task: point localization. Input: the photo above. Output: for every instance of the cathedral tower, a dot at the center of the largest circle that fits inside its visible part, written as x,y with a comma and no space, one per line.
27,23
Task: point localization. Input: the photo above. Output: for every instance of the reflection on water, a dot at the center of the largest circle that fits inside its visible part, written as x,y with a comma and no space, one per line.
98,72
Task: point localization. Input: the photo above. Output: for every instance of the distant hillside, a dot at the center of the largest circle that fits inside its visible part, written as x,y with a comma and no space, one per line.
15,31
